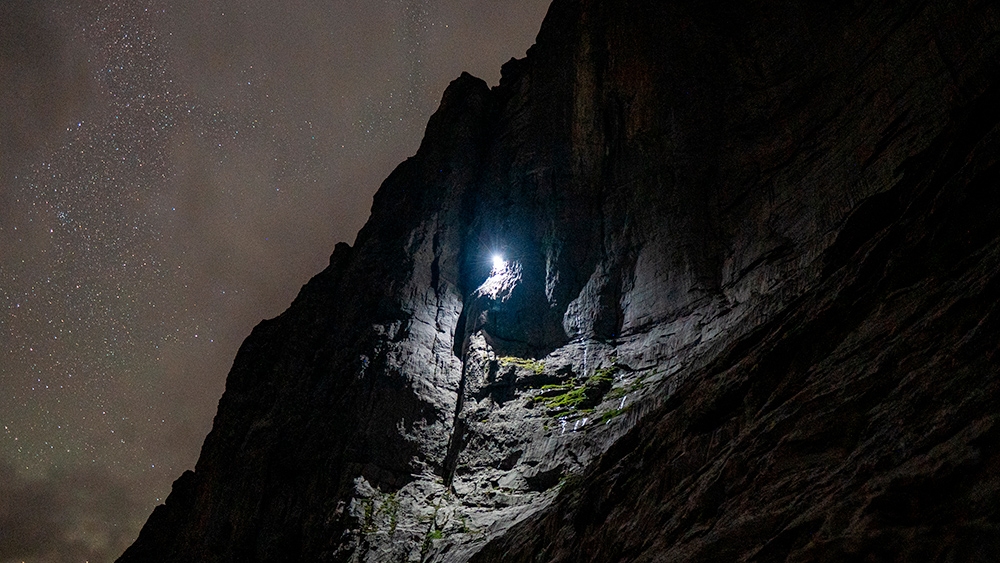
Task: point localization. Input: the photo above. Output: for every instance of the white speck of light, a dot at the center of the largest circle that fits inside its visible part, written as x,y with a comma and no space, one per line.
498,262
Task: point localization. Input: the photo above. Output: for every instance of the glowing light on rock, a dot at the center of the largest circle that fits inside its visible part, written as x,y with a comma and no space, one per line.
503,277
498,262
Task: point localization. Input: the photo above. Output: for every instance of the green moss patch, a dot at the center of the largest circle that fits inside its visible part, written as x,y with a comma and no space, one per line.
574,397
526,363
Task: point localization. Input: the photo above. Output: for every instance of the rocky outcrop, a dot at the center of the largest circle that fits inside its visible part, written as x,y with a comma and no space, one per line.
744,310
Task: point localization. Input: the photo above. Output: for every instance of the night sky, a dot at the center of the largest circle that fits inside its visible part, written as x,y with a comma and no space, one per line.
170,174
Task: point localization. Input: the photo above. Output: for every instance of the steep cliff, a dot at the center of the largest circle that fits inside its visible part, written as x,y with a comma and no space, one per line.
742,308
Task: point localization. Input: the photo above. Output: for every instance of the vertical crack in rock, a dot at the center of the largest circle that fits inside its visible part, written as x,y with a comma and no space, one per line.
457,433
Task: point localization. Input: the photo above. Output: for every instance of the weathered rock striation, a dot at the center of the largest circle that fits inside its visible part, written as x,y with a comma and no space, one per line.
746,310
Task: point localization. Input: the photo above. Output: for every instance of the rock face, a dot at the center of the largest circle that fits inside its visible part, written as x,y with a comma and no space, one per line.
745,310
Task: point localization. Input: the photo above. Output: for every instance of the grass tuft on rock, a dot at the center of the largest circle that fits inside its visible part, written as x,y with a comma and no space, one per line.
526,363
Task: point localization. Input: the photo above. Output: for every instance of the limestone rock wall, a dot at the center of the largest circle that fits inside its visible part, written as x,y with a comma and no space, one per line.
743,310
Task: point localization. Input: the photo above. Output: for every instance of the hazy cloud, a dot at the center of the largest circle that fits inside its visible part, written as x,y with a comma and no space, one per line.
68,517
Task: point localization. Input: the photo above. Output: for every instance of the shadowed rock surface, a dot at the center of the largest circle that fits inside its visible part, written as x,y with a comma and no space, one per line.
746,311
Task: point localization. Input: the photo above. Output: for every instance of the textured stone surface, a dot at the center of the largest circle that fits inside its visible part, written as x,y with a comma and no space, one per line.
746,313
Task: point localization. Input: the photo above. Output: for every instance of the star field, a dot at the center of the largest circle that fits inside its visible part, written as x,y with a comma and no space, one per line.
170,174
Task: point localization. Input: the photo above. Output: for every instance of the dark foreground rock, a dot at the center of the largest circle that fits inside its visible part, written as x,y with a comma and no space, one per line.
746,310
